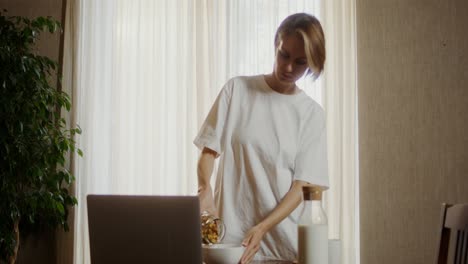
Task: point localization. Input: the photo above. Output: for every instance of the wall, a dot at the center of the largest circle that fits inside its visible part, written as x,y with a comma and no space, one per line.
413,123
40,248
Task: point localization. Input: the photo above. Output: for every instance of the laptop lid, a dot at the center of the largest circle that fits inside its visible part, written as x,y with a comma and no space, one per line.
144,229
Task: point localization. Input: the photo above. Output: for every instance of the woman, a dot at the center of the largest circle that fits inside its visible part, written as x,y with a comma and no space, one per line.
271,140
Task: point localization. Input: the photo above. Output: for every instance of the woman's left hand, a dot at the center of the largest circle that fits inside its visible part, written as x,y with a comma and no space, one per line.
255,235
251,243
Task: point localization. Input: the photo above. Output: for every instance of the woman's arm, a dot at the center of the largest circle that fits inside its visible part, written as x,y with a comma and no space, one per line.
253,237
204,171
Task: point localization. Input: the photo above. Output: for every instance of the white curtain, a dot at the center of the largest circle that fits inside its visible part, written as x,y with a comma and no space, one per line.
146,72
340,103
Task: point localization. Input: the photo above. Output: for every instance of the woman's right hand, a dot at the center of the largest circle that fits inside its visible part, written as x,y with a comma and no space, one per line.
205,195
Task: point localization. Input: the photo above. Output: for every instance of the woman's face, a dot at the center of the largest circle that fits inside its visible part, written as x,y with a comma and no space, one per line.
291,61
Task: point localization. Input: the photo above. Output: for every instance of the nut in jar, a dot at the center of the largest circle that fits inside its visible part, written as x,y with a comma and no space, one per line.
212,228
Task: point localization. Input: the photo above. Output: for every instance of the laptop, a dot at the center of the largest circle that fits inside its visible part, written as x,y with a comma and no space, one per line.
144,229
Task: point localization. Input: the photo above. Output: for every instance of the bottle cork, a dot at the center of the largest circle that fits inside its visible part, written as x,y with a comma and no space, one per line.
312,192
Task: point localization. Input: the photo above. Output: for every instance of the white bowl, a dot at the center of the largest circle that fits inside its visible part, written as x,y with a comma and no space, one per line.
222,253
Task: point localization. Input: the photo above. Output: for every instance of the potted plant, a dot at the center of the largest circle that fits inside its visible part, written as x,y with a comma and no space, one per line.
34,141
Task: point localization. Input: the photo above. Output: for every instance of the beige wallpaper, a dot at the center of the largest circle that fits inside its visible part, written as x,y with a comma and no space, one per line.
413,123
42,247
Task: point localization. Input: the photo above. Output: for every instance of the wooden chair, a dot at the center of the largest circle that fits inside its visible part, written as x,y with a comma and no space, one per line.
453,234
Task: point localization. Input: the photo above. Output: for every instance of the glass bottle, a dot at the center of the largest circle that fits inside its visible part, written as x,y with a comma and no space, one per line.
313,228
212,228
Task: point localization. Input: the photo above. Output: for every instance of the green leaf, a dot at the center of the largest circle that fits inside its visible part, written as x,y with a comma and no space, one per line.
60,198
60,208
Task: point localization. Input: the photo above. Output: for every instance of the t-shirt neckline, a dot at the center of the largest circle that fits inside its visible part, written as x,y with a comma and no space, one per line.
276,93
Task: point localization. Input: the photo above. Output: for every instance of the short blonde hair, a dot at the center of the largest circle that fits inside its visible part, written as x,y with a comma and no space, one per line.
309,29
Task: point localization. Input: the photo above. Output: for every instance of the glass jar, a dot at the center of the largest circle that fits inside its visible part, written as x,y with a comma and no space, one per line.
212,228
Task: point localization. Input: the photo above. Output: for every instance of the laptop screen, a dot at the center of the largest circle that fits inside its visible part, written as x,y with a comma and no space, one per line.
144,229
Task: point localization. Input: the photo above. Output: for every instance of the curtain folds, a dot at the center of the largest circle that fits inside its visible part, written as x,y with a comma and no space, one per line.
145,73
65,241
340,103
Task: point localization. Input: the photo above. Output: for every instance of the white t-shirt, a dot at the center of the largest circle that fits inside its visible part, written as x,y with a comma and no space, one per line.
266,141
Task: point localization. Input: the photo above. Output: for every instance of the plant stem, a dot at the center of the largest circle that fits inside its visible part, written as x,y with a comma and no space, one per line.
15,252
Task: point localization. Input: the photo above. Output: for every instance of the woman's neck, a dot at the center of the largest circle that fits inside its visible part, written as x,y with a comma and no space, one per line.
274,84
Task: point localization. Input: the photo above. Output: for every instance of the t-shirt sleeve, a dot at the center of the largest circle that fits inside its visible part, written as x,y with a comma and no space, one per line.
311,161
212,131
